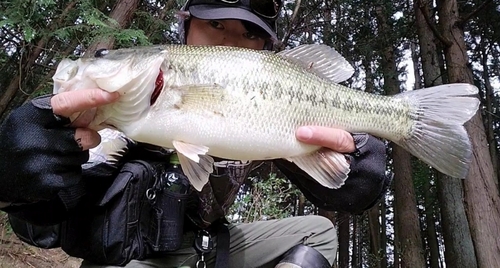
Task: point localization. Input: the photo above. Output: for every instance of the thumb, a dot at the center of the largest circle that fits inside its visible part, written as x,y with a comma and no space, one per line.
336,139
70,102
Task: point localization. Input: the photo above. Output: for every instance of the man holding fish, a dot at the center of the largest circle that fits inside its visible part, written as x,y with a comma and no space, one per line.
43,151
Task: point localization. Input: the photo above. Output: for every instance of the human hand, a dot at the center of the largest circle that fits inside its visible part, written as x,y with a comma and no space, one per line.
41,154
336,139
367,183
68,103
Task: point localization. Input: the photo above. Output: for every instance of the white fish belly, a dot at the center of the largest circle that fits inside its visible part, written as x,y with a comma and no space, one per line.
228,138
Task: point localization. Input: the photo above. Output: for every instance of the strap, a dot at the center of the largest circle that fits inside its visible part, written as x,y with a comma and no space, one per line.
222,253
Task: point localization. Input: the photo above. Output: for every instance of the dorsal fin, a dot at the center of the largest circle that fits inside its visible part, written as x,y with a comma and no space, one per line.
321,60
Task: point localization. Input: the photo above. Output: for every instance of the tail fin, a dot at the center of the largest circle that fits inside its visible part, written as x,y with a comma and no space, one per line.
438,136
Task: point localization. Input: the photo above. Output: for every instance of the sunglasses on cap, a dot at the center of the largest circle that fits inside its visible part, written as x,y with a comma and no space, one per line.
268,9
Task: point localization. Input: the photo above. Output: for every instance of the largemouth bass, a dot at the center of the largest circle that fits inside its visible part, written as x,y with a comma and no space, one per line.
243,104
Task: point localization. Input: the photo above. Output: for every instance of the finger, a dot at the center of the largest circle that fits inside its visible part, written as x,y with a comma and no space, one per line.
84,118
87,138
70,102
335,139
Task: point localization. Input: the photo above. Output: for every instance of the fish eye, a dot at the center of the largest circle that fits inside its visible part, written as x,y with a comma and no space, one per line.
101,53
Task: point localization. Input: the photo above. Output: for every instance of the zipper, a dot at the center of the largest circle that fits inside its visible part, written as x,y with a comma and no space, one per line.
152,176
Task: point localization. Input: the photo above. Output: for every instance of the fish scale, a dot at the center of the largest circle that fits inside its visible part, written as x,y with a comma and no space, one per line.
244,104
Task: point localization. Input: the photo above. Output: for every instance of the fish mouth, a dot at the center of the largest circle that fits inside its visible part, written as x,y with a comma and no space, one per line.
158,88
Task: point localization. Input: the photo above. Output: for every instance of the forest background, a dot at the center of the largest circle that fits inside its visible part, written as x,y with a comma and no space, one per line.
426,219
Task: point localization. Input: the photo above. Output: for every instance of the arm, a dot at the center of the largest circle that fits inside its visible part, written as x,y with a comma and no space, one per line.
366,185
41,157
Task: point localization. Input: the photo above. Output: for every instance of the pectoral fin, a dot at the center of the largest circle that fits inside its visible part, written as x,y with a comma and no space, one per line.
195,164
327,167
201,96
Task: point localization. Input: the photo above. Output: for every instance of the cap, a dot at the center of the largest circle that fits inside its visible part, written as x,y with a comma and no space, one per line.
261,15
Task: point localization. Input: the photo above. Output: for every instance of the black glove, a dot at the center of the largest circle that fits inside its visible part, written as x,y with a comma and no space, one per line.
39,158
366,184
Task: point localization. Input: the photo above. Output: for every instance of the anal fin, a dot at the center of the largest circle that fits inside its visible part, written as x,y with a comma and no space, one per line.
327,167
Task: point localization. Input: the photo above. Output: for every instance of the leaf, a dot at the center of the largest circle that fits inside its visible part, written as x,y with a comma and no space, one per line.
45,3
5,22
129,37
62,33
29,33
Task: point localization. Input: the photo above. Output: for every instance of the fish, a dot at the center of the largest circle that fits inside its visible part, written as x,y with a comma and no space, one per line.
244,104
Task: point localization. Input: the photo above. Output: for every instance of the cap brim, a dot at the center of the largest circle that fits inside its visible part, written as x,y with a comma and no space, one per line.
208,12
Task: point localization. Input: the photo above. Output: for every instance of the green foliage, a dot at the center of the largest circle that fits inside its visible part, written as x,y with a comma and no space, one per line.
268,199
27,16
35,35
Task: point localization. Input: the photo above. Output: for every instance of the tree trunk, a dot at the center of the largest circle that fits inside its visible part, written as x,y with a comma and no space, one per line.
397,246
431,225
383,235
361,238
369,85
481,195
410,240
406,209
430,230
343,226
489,97
459,250
122,13
374,231
8,94
355,242
301,205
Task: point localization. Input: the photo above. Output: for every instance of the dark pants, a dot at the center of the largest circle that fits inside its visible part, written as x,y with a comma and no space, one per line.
257,244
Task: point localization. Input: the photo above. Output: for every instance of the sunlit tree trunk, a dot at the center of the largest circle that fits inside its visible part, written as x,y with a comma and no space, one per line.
481,196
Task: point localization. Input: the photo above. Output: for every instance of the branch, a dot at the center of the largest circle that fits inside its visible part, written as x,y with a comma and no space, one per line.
474,12
312,24
163,13
424,9
290,26
294,22
295,11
